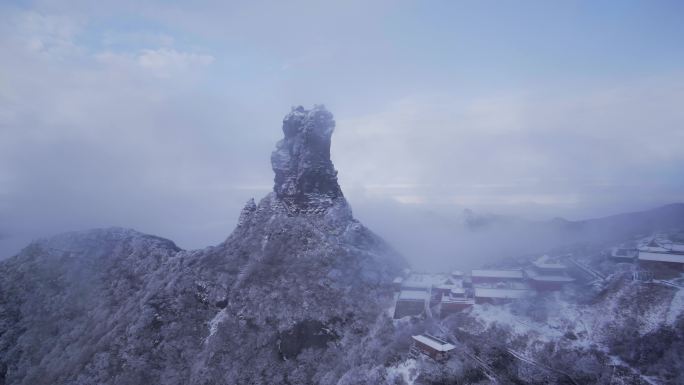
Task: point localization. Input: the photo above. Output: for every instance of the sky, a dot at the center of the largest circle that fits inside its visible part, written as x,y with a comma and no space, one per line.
161,115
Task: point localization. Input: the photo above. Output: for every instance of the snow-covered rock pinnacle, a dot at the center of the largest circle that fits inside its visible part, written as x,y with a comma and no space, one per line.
298,278
305,178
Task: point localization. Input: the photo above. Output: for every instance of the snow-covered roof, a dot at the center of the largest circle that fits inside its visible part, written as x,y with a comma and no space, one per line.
449,286
449,299
424,280
655,249
623,252
457,273
452,289
656,244
500,293
497,273
546,262
434,343
661,257
398,280
535,276
677,247
412,281
413,295
505,284
457,290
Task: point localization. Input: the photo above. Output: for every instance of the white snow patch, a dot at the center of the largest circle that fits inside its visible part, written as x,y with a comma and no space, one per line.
214,323
676,307
497,314
652,320
562,317
406,370
264,242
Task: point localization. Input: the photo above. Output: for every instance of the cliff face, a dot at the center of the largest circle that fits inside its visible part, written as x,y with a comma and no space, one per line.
299,279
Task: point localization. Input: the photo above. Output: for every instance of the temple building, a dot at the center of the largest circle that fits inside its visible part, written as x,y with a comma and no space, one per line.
658,254
671,259
411,303
623,254
498,286
493,276
433,347
454,301
548,273
501,294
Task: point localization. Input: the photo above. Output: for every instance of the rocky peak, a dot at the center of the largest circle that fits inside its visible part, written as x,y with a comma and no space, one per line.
305,178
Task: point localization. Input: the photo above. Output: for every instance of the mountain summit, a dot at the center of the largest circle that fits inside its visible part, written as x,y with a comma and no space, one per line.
305,177
297,294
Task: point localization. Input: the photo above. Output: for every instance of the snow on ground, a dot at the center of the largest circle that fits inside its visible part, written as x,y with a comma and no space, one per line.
563,317
520,325
591,324
214,323
617,361
406,370
652,319
567,316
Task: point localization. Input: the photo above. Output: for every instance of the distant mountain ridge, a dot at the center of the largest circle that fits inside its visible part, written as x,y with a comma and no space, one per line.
609,227
670,215
659,218
443,240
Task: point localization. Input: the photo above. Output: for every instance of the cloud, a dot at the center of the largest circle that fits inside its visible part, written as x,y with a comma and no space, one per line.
135,38
159,62
96,138
51,35
579,149
163,61
161,116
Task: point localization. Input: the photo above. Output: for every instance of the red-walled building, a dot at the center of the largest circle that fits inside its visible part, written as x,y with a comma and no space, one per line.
547,273
433,347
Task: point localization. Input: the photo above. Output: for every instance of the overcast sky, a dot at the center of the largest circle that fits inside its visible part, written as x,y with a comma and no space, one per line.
161,116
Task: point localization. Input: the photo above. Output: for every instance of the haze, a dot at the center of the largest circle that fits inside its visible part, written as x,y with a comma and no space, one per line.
161,116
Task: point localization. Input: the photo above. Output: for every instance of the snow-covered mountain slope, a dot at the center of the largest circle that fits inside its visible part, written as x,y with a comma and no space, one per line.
299,280
300,293
615,331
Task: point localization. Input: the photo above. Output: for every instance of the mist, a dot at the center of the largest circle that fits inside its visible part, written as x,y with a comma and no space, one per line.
341,192
160,117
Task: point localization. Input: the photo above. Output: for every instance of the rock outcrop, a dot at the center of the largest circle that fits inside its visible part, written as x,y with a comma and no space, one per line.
305,178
